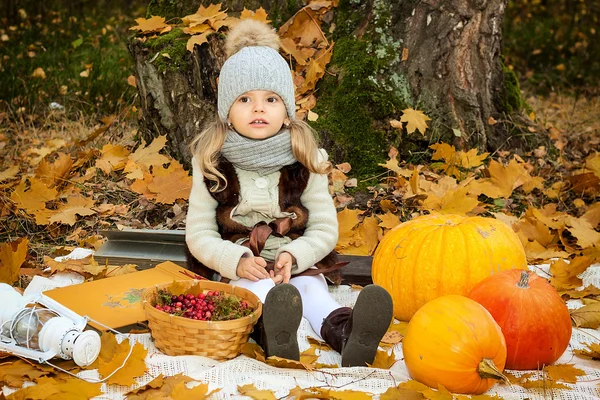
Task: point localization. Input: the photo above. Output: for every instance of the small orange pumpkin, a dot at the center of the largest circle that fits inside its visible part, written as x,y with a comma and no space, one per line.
453,341
534,319
435,255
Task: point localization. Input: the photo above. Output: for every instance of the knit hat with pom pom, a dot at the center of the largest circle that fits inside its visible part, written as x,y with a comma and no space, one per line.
254,63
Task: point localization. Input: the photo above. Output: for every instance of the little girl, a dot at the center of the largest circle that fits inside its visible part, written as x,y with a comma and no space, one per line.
260,213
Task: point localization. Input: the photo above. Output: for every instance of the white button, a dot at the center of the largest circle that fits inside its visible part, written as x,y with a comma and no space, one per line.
261,183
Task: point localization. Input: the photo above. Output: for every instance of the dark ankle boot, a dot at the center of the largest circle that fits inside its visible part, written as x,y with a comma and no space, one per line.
282,313
356,333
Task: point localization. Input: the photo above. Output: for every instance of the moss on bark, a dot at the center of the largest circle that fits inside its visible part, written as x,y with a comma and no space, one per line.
355,104
170,51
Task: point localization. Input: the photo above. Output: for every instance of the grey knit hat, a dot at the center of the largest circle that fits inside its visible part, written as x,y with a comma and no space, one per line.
254,63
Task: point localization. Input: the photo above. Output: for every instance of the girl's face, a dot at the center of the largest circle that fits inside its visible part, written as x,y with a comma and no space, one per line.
258,114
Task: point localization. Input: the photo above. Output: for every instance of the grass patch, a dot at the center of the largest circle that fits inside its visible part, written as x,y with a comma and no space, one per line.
84,59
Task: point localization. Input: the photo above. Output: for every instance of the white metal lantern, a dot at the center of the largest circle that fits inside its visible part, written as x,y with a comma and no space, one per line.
39,328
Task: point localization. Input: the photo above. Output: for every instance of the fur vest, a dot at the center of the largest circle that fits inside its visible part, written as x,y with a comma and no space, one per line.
292,183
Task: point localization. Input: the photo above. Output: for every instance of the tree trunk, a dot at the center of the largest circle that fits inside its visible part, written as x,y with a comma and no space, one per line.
453,73
454,62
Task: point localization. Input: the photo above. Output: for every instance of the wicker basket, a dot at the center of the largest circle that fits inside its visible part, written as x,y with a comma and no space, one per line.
219,340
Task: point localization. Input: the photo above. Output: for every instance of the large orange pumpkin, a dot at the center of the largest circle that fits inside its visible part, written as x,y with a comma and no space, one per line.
534,320
435,255
453,341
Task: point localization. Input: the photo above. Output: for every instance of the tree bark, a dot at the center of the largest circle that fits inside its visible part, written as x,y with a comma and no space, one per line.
454,62
453,73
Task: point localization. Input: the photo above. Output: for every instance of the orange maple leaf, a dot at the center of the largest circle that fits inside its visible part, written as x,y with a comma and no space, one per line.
151,25
52,173
259,15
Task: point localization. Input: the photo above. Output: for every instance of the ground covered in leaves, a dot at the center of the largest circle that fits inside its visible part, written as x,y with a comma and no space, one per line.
65,179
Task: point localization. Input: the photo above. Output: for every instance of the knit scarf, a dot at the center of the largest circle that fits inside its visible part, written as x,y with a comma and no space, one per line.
262,156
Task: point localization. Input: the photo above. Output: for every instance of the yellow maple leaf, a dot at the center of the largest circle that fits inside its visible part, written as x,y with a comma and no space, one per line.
114,158
503,180
87,266
592,350
76,205
536,252
347,220
585,233
251,391
534,229
135,366
315,70
384,360
415,120
302,26
56,172
388,220
593,163
394,393
197,40
259,15
55,388
9,173
300,54
592,215
309,356
197,29
148,156
150,25
12,256
429,393
564,372
34,198
170,184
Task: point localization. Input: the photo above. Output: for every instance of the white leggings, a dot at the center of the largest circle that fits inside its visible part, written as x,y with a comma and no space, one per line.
317,302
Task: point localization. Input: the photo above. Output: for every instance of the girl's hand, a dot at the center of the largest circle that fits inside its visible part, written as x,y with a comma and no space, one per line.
283,268
252,268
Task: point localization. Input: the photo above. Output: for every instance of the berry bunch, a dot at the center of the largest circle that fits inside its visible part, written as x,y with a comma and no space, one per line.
209,306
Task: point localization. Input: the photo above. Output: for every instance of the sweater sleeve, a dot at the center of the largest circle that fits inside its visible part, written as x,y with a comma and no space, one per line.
321,233
201,231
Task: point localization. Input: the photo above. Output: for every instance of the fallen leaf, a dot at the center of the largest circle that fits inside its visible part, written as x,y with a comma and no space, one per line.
14,374
388,220
415,120
429,393
38,73
592,350
75,205
34,198
384,360
114,158
251,391
150,25
564,372
587,316
113,356
9,173
12,256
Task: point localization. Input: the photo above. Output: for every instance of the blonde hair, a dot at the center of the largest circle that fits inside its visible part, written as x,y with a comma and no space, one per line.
206,147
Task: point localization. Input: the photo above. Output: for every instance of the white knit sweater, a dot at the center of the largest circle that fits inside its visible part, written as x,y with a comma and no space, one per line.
260,202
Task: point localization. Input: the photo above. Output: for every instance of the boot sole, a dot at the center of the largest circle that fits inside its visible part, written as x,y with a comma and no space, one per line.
282,315
371,317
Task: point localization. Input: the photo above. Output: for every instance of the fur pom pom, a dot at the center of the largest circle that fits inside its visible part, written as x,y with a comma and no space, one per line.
250,32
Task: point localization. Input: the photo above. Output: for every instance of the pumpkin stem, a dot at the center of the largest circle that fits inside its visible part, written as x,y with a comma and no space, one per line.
487,369
524,280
